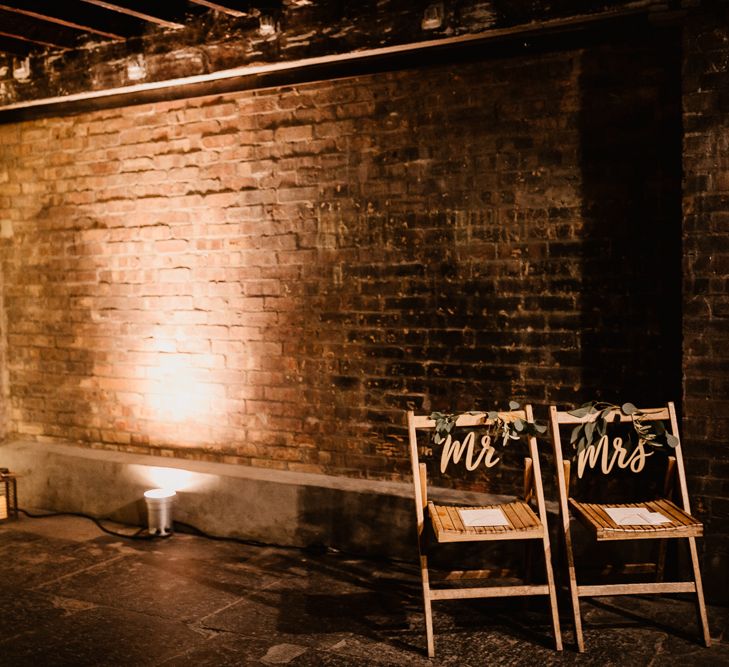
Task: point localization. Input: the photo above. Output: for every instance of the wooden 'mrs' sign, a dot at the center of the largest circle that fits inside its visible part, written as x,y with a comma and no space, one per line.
453,450
590,456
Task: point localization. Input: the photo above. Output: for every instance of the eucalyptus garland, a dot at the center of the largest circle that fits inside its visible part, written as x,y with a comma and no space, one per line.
652,433
500,425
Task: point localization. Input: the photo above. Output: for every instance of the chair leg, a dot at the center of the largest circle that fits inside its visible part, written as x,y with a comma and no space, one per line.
661,560
701,606
528,556
552,596
579,639
427,605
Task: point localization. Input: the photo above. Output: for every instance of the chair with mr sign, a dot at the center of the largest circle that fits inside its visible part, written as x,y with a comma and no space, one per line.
462,523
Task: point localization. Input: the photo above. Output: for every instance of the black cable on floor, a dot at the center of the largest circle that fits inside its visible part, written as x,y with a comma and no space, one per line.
142,534
311,549
137,535
198,532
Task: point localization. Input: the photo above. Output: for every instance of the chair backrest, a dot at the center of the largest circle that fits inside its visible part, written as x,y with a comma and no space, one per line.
473,449
596,449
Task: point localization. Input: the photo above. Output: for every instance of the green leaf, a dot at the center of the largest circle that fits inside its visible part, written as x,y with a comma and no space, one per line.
671,440
589,430
581,444
540,428
449,426
513,405
629,409
492,414
580,412
575,433
519,425
437,439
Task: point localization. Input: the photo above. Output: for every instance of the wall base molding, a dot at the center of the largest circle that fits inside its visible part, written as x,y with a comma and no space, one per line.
367,517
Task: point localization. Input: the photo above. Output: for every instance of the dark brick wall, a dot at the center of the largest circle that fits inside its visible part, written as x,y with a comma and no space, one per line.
272,278
706,279
4,396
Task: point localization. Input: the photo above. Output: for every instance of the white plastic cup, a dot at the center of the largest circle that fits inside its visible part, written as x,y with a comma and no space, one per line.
159,511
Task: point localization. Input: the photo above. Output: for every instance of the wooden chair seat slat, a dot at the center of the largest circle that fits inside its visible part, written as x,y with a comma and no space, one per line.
594,517
679,517
527,515
673,512
444,522
448,526
512,514
455,518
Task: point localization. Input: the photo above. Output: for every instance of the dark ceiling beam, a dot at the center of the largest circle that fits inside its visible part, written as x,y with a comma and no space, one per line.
33,11
39,32
14,47
563,33
82,14
226,8
28,40
135,10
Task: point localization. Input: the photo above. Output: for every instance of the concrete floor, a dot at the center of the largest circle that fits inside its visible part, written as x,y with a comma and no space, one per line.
71,595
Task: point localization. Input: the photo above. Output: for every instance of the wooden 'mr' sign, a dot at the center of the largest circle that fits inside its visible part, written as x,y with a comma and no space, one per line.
453,451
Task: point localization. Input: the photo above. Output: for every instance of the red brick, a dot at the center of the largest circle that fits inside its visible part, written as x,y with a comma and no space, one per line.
294,133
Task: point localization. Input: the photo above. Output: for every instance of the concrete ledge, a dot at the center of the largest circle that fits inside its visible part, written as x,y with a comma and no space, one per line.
363,516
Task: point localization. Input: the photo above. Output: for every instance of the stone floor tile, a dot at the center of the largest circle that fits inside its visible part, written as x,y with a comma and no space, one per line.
100,636
31,560
72,597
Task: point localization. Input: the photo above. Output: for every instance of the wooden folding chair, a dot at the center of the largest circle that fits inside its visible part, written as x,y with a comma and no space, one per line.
522,523
599,517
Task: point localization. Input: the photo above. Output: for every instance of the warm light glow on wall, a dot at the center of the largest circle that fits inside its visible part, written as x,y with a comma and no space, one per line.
180,396
172,479
176,391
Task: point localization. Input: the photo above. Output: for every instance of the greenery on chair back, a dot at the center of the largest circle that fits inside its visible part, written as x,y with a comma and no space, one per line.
652,433
500,425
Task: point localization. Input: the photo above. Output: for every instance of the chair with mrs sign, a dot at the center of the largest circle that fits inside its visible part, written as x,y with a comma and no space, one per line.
614,451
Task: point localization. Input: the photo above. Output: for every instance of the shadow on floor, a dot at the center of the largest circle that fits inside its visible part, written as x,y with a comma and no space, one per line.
70,597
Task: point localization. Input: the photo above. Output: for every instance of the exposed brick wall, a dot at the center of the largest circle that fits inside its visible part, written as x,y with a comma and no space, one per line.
706,279
271,278
4,395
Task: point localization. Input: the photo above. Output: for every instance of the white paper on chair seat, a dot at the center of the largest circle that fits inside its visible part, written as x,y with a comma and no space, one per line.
635,516
485,517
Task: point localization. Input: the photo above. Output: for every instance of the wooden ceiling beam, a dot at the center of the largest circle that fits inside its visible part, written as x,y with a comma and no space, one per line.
33,11
14,47
37,31
82,14
224,8
131,9
30,41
